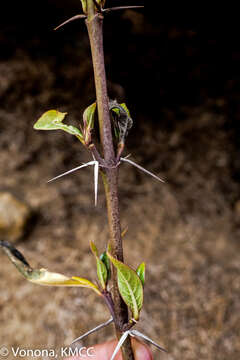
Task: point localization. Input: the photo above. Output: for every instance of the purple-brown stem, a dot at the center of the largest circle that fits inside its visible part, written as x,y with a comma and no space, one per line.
94,24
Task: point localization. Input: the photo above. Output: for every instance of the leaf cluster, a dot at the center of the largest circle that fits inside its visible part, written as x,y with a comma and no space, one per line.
130,282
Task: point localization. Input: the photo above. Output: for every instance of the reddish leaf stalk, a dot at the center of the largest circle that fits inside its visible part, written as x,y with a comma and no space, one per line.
94,24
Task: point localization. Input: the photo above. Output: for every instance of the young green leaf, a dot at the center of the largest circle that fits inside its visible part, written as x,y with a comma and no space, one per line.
130,286
141,272
124,106
84,6
43,276
53,120
88,115
101,2
122,121
123,233
102,273
93,248
106,261
88,122
101,268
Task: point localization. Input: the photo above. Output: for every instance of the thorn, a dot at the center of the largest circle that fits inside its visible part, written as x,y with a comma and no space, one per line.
139,334
81,16
96,170
93,330
72,170
119,344
141,168
121,8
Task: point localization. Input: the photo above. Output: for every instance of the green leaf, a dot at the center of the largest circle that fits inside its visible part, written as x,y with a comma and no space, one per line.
141,272
122,121
116,110
106,261
101,2
123,233
53,120
124,106
86,283
94,248
130,286
84,6
120,108
102,273
101,268
88,122
43,276
88,115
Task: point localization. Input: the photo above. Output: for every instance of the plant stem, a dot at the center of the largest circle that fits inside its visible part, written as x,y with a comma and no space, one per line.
110,175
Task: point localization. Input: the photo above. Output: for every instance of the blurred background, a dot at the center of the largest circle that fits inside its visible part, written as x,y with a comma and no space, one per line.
180,78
